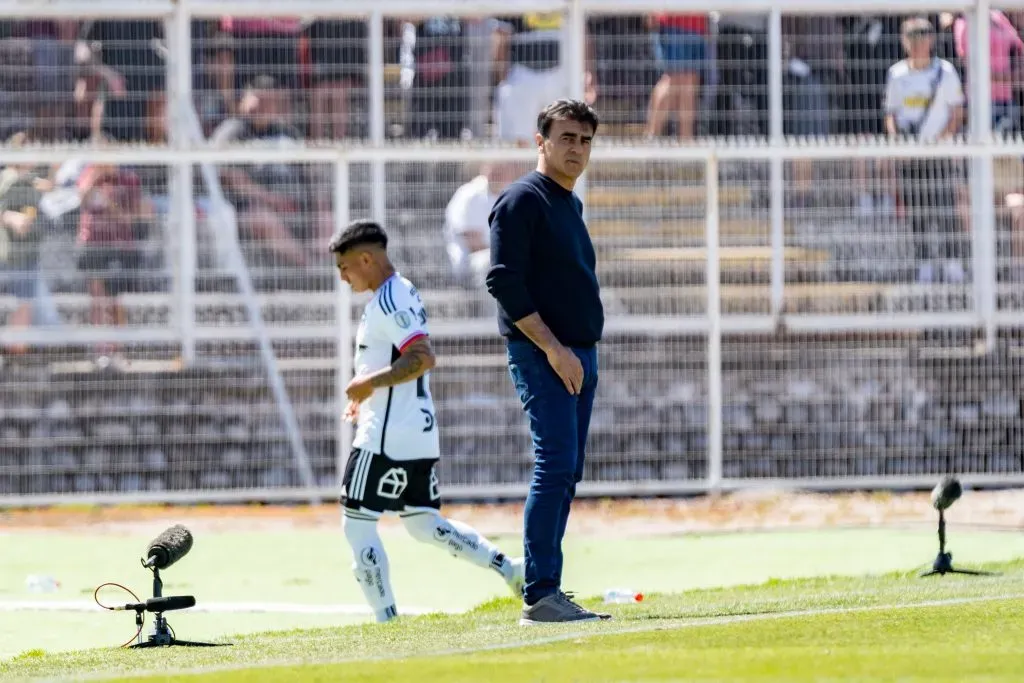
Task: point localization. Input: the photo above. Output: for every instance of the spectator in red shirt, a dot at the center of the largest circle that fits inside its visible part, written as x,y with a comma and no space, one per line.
112,213
680,47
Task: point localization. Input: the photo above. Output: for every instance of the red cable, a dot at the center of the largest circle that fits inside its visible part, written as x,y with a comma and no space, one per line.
95,596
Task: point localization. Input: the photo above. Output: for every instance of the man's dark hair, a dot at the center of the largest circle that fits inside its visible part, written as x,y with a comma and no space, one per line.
359,233
566,110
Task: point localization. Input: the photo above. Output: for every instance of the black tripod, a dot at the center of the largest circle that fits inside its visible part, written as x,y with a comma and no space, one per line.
944,561
162,634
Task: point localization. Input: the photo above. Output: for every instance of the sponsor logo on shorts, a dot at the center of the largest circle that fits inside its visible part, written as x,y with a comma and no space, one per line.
369,557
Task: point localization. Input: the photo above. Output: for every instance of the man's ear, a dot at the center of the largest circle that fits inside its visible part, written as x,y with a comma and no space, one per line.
539,139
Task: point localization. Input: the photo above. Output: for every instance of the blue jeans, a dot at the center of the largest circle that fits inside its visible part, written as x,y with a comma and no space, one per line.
559,423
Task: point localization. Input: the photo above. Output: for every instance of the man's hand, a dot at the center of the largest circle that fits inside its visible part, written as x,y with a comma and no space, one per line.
351,412
567,366
359,389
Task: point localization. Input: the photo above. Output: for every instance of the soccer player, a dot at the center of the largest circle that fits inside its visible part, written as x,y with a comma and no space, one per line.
396,446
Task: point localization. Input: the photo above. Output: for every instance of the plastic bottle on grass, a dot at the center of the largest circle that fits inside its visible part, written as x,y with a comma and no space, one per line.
37,583
622,596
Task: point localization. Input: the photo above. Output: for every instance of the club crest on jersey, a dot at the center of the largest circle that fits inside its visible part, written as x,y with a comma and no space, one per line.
403,319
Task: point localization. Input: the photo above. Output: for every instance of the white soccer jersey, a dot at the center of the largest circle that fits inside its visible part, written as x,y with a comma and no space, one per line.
908,90
397,421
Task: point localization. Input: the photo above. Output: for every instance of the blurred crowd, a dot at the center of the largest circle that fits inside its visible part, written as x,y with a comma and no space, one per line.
289,79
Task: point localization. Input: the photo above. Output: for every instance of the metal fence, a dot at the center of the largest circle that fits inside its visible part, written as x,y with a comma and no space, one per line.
795,296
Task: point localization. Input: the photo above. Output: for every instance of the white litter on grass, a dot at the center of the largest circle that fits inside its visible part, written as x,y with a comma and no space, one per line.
213,608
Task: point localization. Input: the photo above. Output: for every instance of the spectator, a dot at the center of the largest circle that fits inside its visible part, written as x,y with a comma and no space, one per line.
113,220
530,72
338,54
1006,48
216,97
924,99
274,201
56,72
680,47
17,78
872,46
131,97
467,231
265,46
812,52
439,103
741,98
20,239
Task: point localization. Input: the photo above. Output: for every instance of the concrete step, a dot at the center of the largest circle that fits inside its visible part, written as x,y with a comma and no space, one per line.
661,171
752,255
682,229
673,266
609,197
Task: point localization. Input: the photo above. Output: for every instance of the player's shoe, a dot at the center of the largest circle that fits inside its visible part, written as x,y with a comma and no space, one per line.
558,608
516,579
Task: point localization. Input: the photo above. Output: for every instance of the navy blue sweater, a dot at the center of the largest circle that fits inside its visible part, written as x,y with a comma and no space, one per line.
542,261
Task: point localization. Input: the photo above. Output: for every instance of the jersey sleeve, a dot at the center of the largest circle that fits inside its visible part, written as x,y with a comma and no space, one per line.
401,316
952,89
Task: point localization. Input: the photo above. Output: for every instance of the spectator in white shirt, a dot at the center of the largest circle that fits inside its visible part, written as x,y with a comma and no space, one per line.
924,100
467,231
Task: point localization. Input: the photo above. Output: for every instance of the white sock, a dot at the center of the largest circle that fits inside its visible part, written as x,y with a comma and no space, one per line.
370,565
461,540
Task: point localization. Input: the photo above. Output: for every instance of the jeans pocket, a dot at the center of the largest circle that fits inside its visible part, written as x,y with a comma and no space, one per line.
527,366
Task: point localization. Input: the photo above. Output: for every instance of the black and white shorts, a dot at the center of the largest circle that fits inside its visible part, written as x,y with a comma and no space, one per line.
376,483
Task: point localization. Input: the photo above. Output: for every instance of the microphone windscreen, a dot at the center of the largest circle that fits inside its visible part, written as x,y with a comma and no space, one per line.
170,546
946,492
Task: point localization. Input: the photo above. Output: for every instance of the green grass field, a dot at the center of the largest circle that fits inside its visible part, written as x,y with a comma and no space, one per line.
750,606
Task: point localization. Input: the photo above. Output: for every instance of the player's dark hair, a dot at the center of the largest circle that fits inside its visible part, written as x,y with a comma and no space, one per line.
566,110
359,233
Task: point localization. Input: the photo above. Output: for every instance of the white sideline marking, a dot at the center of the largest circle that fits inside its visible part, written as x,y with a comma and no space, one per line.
594,631
211,608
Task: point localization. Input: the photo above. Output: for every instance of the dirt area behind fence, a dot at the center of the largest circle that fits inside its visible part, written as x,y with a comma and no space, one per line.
621,517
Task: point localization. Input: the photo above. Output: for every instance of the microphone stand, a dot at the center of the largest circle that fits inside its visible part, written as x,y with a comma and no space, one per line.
162,635
944,561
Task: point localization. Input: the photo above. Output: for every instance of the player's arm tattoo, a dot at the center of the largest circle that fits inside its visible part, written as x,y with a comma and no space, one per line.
414,362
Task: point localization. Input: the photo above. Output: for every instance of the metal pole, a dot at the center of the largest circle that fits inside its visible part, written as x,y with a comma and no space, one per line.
178,31
378,191
714,314
574,47
983,234
343,309
777,170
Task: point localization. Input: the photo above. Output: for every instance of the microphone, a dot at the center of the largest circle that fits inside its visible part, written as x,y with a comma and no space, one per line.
946,492
169,547
160,604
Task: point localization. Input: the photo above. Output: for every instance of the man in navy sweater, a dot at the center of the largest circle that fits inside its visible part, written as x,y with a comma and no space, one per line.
549,310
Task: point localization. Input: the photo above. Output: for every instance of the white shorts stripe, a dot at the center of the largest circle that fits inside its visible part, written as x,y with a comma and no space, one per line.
363,471
353,484
354,493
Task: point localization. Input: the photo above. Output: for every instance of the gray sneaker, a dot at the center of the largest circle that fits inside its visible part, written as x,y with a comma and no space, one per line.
557,608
